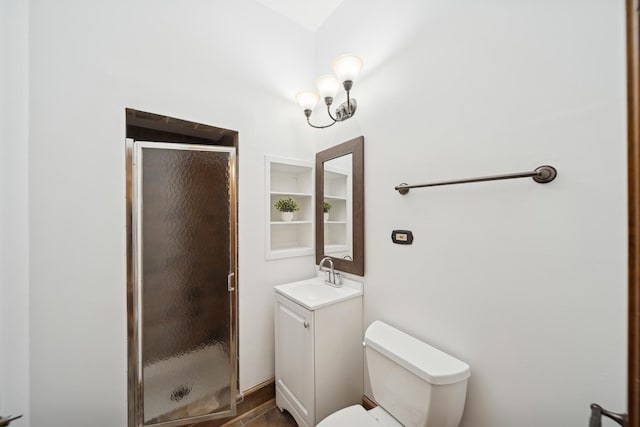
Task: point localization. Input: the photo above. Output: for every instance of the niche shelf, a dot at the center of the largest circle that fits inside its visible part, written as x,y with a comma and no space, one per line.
289,178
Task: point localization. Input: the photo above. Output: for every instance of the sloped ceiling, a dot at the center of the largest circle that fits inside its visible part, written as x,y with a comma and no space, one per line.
308,13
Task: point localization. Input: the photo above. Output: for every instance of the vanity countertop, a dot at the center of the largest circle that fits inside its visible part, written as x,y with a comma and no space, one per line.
314,294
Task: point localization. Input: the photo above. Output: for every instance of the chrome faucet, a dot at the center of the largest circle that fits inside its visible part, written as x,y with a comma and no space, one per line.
333,278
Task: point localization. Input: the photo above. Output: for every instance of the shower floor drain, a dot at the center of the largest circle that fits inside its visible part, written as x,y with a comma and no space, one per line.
180,392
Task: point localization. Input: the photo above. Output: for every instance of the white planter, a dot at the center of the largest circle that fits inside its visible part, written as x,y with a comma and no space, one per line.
287,216
326,216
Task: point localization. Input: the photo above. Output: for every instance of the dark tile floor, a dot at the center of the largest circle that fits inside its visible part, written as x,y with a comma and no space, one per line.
272,418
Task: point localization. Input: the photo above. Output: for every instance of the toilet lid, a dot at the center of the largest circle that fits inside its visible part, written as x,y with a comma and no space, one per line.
352,416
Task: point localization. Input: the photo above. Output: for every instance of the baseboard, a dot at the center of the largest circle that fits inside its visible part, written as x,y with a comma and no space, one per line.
257,400
368,403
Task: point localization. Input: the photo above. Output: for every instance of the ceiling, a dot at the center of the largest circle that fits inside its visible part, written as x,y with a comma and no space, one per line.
308,13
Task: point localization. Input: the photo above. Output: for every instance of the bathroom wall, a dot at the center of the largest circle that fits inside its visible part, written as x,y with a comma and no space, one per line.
525,282
14,287
234,65
513,277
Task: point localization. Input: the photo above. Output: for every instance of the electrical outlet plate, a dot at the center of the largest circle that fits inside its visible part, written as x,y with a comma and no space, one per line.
402,237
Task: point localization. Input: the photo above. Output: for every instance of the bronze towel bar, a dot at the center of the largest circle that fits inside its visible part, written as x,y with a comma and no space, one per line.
541,175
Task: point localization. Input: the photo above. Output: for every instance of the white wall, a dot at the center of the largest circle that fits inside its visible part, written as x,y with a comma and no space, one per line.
234,65
14,276
525,282
515,278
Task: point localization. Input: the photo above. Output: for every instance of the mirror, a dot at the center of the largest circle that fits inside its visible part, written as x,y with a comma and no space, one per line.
340,206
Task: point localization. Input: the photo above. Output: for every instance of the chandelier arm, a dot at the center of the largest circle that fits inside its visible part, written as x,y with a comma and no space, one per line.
331,115
320,127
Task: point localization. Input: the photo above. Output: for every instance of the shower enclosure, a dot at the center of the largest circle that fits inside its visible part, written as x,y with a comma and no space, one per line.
182,299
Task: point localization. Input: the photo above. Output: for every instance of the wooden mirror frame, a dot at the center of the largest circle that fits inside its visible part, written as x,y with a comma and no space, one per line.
356,148
633,111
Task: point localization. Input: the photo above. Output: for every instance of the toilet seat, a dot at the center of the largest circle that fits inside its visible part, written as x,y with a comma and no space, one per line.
357,416
352,416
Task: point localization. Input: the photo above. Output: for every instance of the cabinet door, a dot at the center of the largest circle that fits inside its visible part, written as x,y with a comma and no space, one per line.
294,356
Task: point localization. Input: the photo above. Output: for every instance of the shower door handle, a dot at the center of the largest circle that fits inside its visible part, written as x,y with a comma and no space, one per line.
229,280
598,411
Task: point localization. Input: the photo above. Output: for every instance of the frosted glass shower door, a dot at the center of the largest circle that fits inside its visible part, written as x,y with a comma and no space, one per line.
184,216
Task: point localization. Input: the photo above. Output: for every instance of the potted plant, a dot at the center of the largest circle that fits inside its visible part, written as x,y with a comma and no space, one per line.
326,207
287,206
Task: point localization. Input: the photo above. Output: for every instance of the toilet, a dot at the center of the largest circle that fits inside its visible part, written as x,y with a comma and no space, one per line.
414,384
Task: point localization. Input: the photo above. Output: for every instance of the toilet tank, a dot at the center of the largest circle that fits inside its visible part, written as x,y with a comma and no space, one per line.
417,384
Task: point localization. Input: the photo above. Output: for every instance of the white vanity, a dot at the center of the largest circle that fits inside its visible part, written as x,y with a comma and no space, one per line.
318,343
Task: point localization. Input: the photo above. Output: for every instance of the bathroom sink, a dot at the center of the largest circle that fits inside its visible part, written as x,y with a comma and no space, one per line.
314,294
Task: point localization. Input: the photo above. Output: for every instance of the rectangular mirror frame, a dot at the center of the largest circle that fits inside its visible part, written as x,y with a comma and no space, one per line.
356,148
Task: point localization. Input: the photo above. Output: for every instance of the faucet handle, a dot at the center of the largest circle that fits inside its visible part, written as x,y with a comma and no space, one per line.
337,279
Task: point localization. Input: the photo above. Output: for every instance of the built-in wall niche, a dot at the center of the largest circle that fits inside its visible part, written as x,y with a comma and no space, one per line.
289,178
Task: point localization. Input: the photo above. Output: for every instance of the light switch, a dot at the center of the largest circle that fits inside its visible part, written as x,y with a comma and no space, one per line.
402,237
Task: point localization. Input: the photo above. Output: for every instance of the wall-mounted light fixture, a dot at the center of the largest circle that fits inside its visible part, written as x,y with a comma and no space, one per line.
346,68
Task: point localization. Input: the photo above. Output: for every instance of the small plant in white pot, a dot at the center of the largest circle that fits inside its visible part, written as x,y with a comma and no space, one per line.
326,207
287,207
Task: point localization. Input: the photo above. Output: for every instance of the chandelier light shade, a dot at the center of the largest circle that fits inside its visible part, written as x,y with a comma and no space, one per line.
346,69
307,100
327,86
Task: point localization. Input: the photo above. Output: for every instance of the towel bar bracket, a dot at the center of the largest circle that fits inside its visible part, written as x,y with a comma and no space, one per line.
545,174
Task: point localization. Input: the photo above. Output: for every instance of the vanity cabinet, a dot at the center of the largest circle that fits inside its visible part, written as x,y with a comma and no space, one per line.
289,178
319,358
